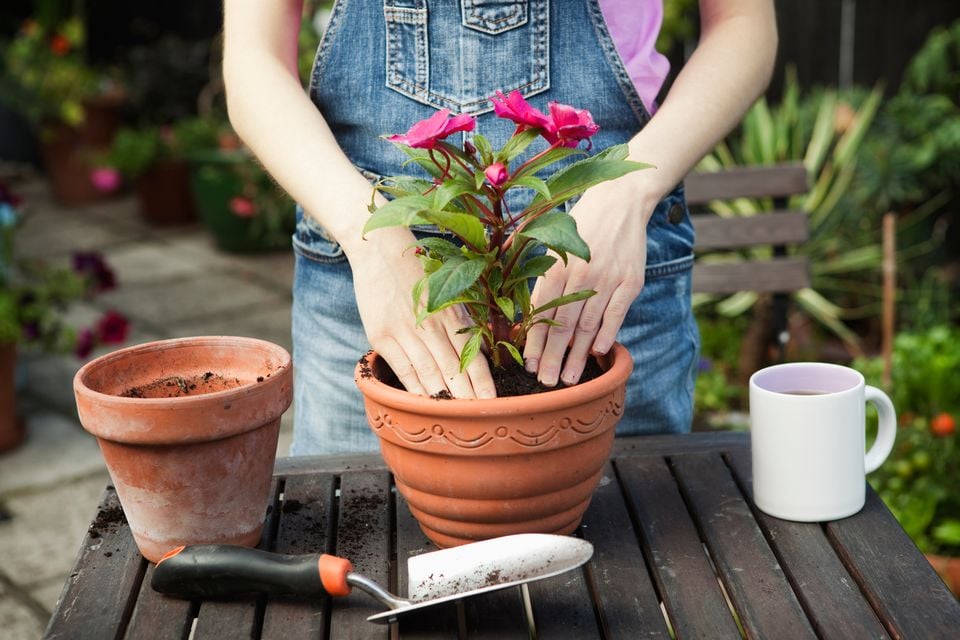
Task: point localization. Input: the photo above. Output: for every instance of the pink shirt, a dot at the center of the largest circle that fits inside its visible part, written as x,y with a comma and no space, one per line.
634,26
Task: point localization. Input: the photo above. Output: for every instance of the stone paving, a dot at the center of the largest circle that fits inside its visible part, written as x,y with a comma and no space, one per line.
171,283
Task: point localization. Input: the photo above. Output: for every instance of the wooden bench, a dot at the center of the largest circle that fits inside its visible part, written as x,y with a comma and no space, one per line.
733,237
777,228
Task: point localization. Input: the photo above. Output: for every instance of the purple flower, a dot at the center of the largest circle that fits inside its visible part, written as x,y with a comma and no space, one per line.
705,364
113,328
91,265
30,330
84,345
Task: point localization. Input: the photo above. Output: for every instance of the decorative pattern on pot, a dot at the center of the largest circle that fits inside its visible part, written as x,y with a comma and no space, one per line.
612,411
474,469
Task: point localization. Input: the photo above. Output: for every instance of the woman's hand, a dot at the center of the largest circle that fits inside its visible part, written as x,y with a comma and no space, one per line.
612,219
425,358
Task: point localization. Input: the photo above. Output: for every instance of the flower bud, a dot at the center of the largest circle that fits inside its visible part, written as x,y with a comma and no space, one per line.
496,174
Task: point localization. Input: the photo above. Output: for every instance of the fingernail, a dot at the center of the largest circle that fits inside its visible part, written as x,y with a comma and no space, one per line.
601,348
548,379
531,365
571,380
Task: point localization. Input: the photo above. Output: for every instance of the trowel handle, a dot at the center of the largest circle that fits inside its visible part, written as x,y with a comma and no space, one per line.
216,570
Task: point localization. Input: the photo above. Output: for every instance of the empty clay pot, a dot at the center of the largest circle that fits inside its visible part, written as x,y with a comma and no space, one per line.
476,469
188,429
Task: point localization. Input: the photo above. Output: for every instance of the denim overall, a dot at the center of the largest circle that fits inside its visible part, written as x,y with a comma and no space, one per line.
386,64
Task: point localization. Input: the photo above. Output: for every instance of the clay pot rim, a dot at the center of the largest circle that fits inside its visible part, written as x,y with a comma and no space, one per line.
192,401
618,358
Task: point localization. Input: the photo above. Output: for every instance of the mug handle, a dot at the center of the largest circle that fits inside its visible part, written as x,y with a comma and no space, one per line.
887,431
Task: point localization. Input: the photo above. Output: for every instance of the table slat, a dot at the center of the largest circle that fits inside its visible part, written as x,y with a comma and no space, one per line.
563,607
363,536
829,595
911,599
439,621
684,578
99,595
627,601
753,578
305,516
243,615
158,617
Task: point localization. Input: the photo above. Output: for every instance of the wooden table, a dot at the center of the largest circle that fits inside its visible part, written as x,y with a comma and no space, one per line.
677,542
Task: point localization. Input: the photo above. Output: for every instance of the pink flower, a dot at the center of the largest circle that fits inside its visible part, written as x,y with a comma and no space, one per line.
569,125
427,133
112,328
105,179
514,107
242,207
497,174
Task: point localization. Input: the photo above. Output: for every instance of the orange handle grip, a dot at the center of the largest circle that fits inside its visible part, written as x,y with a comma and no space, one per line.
333,574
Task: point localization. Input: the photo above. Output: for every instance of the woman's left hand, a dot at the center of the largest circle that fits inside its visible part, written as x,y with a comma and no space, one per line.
612,219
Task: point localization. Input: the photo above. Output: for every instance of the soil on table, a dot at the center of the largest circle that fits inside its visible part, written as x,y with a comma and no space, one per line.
510,380
177,386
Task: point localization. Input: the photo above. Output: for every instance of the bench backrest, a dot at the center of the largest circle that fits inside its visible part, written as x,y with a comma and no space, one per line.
777,228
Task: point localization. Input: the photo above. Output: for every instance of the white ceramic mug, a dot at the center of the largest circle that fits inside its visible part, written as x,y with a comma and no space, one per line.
807,423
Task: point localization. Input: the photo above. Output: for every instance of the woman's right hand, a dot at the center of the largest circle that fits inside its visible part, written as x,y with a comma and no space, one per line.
425,357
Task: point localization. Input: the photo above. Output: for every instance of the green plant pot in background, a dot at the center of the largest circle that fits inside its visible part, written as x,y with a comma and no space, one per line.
243,210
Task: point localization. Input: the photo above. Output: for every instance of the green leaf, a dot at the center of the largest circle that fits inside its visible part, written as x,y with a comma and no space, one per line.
521,300
532,182
558,230
450,280
583,174
506,305
400,212
483,146
418,293
532,268
439,246
562,300
554,155
470,350
517,145
399,186
467,227
512,350
449,190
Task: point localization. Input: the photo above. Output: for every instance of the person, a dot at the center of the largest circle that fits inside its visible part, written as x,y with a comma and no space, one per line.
385,64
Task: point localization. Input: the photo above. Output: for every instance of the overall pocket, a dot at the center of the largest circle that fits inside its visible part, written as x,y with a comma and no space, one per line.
486,46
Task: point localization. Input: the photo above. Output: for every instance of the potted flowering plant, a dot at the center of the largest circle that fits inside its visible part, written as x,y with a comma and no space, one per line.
152,158
33,299
918,481
74,106
236,200
478,468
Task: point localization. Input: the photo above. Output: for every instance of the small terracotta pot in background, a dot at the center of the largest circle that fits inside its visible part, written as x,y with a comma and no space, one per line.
195,468
164,194
476,469
12,429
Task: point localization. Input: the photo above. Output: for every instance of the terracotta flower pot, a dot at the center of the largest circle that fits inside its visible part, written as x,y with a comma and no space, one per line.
68,152
475,469
11,427
194,468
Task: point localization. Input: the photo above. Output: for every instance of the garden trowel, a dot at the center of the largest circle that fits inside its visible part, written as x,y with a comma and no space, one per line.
211,571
